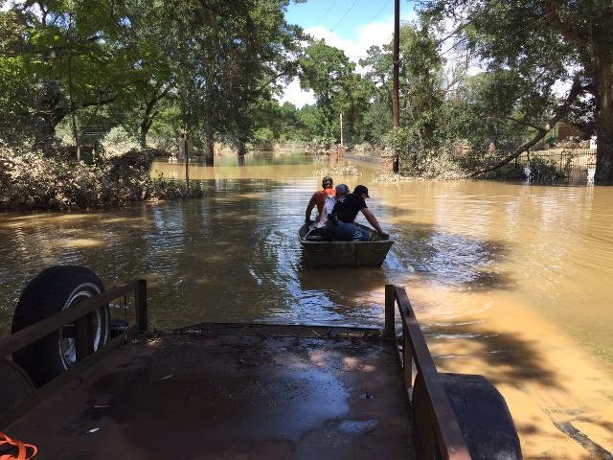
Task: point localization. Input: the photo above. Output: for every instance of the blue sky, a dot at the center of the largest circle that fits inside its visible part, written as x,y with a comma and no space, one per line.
345,18
350,25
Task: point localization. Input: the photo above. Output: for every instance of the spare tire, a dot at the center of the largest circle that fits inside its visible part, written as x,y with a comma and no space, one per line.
51,291
481,412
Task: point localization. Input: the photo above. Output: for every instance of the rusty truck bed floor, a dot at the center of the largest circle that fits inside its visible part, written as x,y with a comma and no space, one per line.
229,393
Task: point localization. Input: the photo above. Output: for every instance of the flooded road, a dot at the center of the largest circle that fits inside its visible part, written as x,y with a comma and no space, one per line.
510,281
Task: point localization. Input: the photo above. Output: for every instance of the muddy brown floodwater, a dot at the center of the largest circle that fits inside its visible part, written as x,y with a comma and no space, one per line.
511,281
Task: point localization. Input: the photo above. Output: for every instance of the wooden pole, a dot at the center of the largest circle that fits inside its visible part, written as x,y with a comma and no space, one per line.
395,90
390,311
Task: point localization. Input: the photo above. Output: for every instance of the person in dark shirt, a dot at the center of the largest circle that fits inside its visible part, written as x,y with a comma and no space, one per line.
345,212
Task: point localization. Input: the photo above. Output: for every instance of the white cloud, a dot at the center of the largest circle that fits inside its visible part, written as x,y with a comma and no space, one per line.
296,96
373,34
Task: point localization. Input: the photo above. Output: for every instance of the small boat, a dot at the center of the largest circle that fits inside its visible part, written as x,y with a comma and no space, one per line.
322,253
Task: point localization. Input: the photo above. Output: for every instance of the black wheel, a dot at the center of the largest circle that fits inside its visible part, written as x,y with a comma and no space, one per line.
16,385
53,290
481,411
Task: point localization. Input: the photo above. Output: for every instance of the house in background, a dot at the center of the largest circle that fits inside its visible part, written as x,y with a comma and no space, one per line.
564,132
564,135
593,141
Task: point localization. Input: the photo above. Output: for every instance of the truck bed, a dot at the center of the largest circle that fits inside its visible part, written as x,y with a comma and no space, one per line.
231,392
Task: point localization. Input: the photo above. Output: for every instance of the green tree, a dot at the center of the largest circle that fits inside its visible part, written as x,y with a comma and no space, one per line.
359,93
378,117
487,110
216,60
421,85
151,79
282,121
311,118
70,57
425,126
231,56
15,93
329,73
547,43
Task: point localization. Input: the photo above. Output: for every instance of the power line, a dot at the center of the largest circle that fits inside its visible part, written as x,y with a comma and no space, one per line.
343,17
329,9
464,39
379,12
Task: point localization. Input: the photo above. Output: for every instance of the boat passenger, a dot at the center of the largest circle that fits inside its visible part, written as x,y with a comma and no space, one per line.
324,228
341,191
318,199
345,212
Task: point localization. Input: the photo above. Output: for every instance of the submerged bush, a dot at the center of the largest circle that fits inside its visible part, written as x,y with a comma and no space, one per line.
30,182
426,157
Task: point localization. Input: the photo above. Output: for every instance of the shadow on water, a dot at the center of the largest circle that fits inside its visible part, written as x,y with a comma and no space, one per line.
364,279
515,360
507,360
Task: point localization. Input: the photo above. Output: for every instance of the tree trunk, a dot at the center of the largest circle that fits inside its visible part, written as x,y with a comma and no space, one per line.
145,125
604,121
242,146
149,116
209,159
143,140
75,129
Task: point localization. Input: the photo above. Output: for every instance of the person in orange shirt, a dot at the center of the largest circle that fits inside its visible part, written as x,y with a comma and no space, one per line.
319,198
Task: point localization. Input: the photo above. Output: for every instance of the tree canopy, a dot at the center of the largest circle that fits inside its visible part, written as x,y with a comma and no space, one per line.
485,73
216,60
545,45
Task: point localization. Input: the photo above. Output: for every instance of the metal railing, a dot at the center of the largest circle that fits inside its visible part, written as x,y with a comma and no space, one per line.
82,317
448,440
571,166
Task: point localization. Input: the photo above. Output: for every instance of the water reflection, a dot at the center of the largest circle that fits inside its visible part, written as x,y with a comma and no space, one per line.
233,256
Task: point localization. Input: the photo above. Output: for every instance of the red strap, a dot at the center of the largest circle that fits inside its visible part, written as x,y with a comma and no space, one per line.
22,448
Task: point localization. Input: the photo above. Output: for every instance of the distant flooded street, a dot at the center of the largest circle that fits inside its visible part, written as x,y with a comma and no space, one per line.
510,281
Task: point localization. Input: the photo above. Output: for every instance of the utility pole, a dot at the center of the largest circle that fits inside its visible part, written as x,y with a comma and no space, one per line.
341,122
395,90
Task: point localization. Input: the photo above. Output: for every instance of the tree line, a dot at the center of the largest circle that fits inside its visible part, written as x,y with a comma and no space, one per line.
495,76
